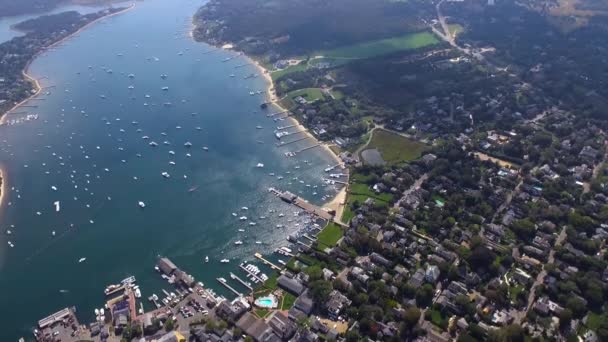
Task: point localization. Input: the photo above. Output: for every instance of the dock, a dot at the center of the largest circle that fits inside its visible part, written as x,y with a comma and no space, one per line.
251,273
235,277
335,181
225,283
307,148
118,289
276,113
302,204
280,128
266,262
293,141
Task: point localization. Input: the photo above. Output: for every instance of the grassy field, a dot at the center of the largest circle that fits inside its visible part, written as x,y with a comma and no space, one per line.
455,29
310,94
294,68
330,235
373,48
383,46
395,148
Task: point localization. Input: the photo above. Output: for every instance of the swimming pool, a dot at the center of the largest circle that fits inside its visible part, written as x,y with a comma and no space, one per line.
268,302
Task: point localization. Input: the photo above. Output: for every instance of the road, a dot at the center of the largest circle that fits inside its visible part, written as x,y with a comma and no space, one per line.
540,278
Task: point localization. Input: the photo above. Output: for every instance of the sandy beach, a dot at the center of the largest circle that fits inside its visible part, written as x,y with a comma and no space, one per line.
37,86
339,201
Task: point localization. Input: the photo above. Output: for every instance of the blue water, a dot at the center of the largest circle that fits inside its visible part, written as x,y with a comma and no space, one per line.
78,135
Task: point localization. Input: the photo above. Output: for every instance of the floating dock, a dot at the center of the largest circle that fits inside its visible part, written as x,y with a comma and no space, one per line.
276,113
251,273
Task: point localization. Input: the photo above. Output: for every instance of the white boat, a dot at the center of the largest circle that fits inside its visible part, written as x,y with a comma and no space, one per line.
96,312
239,242
141,204
206,258
188,144
234,214
137,293
241,230
57,207
165,88
259,165
206,148
243,218
224,261
165,174
244,208
81,260
258,242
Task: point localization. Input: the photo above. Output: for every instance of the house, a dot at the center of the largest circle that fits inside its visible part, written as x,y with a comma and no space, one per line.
304,303
432,274
417,278
282,326
256,328
337,302
290,285
232,311
172,336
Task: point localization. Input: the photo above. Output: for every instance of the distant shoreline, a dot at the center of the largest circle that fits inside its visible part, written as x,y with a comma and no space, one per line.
25,70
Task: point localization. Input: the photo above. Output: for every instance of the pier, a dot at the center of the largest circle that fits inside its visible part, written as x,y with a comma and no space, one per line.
266,262
251,273
301,203
307,148
285,127
276,113
335,181
281,117
242,65
293,141
235,277
225,283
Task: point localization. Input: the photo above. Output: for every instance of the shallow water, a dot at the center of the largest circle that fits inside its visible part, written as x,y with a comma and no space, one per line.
87,148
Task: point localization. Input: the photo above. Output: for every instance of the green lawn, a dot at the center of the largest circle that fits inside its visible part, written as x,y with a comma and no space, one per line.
348,214
288,300
366,191
330,235
383,46
294,68
310,94
395,148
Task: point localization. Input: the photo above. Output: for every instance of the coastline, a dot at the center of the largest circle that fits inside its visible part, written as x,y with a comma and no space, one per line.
37,86
338,202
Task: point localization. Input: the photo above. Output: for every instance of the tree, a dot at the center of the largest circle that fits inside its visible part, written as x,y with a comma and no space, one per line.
169,324
565,317
509,333
320,290
424,295
577,306
411,316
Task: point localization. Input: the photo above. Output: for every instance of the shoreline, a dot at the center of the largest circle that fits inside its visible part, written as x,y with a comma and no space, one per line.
37,86
338,202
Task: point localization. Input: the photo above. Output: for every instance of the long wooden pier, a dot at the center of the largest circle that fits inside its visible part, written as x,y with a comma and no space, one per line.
235,277
266,262
301,203
225,283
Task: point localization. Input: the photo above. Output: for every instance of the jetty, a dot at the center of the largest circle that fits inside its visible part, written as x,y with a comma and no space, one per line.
302,204
266,262
307,148
280,128
225,283
276,113
235,277
293,141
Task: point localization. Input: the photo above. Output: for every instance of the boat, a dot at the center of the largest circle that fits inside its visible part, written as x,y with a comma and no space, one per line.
165,174
112,289
241,230
137,293
225,261
259,165
258,127
243,218
165,88
81,260
206,148
188,144
234,214
258,242
206,258
239,242
141,204
244,208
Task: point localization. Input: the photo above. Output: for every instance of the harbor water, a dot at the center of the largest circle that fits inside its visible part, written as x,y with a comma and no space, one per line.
78,161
